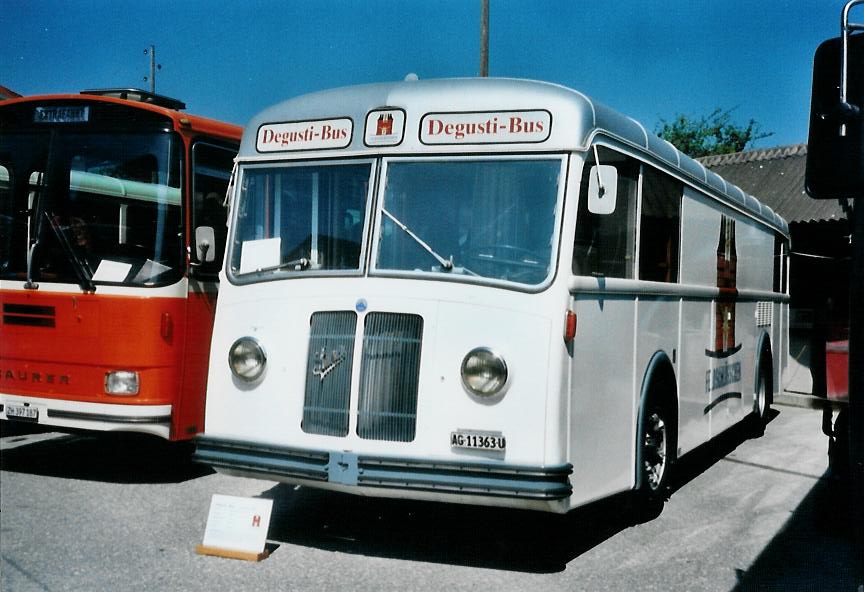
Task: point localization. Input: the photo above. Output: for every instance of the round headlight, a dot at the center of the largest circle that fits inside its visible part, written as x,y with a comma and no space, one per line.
484,372
247,359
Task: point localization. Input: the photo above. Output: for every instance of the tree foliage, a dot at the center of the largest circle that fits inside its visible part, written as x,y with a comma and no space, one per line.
711,134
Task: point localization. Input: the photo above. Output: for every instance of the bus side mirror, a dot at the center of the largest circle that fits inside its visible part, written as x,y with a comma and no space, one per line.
835,147
205,244
602,189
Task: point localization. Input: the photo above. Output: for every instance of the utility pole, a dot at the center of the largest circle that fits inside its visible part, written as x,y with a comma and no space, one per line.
484,38
153,67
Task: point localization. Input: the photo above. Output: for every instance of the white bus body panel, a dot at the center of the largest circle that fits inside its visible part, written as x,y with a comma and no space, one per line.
456,319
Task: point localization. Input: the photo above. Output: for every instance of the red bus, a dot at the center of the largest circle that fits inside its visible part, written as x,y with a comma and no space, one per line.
112,229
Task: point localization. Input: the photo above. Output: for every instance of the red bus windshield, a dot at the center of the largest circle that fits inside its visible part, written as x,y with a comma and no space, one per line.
88,206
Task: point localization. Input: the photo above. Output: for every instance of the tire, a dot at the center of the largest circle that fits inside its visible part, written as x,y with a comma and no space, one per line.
655,457
656,453
761,402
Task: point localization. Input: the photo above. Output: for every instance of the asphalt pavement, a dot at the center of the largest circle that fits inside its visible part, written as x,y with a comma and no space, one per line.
80,512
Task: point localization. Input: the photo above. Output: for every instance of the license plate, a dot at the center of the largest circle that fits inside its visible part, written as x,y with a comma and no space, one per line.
476,440
21,412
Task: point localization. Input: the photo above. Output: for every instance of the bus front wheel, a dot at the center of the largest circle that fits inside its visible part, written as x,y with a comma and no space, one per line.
657,454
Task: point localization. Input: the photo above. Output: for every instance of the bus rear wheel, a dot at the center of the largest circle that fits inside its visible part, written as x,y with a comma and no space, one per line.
761,403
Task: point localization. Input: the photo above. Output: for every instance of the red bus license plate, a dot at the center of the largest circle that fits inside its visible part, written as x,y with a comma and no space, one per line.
22,413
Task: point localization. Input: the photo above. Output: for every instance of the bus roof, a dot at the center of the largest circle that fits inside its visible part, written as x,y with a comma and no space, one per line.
182,121
562,119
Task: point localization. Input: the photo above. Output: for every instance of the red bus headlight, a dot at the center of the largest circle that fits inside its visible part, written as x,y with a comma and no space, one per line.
121,382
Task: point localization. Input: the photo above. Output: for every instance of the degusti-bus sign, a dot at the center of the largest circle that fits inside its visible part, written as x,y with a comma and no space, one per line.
385,127
325,134
499,127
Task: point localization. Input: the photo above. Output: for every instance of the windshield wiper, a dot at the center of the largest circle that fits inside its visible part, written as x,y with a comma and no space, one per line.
30,284
445,263
85,277
298,265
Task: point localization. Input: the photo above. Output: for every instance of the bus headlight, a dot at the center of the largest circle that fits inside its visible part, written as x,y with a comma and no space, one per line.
484,372
247,359
121,382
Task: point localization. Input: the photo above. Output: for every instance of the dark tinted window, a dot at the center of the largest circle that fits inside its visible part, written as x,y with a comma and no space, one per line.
605,244
211,171
659,228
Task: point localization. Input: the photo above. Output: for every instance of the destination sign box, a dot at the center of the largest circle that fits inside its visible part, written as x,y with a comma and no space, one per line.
62,114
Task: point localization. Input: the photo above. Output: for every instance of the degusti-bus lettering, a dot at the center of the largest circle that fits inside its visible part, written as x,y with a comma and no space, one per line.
513,125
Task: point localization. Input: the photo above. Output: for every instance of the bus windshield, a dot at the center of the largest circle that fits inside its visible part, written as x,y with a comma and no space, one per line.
90,207
298,218
470,219
492,219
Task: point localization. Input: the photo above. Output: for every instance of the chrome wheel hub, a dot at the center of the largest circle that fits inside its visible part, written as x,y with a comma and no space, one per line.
655,450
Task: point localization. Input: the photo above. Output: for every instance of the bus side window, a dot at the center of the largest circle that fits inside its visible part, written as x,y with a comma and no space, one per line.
211,170
660,226
605,244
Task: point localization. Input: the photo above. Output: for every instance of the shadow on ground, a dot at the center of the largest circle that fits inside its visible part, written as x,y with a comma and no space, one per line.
112,458
814,550
440,533
464,535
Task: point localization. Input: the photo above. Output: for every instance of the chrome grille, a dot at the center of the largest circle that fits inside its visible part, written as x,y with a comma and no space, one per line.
389,375
328,373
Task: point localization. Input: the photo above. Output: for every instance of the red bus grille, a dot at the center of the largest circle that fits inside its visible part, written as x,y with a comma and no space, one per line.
28,315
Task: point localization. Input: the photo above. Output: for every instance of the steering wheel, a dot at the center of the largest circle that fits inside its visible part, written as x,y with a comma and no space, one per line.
134,251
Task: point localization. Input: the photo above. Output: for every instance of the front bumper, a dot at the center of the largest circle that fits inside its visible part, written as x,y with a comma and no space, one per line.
545,483
78,415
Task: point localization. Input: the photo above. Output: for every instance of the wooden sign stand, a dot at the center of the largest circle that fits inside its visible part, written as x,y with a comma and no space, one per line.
231,554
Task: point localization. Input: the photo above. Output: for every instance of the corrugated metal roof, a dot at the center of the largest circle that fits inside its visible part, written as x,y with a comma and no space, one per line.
776,177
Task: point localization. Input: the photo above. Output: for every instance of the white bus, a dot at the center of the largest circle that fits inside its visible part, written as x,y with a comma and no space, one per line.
494,292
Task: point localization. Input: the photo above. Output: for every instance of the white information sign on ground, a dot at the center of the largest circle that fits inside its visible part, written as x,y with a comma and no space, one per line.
237,527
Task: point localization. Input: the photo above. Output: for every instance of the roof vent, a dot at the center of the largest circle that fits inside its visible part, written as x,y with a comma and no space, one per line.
135,94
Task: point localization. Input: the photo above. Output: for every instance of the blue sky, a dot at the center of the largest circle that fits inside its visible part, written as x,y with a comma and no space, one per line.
650,59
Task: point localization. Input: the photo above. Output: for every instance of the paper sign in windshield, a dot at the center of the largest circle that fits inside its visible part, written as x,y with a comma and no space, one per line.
260,254
111,271
325,134
500,127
